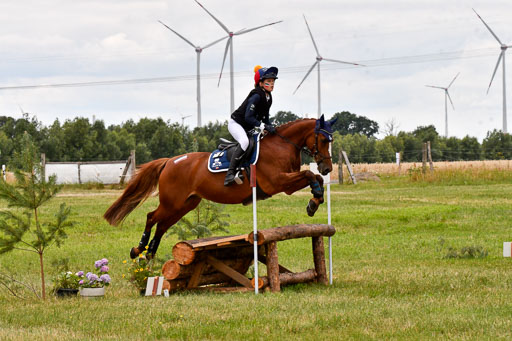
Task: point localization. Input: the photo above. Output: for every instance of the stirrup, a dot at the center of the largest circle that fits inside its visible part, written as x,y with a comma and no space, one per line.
239,177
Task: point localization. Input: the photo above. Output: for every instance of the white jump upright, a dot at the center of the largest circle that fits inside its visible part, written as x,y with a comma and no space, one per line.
255,227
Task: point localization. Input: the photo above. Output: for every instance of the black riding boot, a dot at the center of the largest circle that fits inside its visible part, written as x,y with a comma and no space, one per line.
233,165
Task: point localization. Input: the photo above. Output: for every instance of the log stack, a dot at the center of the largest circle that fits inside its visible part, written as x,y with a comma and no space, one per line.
221,263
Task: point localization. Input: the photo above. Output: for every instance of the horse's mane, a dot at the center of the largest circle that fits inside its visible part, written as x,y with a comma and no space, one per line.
287,124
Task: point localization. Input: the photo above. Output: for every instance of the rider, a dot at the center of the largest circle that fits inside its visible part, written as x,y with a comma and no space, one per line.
253,113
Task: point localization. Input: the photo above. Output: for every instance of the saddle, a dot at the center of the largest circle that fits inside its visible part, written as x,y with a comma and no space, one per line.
219,159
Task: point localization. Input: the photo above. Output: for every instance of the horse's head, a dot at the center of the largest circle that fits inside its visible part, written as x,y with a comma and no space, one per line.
320,149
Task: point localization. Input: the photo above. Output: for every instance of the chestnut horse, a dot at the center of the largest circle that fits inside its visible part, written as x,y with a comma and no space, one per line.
184,180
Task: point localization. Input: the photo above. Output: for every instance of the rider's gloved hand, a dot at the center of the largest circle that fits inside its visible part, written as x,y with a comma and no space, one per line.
261,127
270,128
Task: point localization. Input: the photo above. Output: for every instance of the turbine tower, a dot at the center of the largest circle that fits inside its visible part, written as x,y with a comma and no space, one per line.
446,97
503,48
198,49
229,45
319,58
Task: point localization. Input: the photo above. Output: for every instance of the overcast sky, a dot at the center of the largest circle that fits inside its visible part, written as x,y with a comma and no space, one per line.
405,45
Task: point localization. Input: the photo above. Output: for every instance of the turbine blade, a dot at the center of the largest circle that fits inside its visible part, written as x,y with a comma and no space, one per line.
495,36
211,15
224,59
215,42
311,34
255,28
342,62
437,87
179,35
495,69
453,80
448,94
306,76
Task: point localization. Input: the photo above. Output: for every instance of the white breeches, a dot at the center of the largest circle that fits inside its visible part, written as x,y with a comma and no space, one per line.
238,133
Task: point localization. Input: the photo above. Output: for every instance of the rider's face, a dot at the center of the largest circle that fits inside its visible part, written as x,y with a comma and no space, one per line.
268,84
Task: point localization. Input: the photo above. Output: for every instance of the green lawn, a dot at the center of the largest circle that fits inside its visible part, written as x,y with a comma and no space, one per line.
391,280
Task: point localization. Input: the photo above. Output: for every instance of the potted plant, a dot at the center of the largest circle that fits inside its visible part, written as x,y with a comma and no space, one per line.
93,284
66,284
139,270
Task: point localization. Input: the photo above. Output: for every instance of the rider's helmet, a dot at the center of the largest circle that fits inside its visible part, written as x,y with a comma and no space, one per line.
261,73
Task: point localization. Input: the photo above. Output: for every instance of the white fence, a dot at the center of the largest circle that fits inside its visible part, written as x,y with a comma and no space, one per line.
105,172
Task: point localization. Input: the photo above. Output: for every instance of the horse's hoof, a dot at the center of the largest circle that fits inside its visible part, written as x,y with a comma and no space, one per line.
311,208
134,252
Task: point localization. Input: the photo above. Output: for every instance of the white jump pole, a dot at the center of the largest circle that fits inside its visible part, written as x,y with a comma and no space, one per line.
255,227
329,223
329,218
327,180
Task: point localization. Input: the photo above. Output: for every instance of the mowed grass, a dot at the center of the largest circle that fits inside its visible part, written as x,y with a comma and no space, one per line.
391,280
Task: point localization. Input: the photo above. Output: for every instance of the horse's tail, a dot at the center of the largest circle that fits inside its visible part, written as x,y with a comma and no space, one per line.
138,189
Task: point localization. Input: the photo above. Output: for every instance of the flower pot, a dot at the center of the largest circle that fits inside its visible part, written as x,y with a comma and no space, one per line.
66,292
92,292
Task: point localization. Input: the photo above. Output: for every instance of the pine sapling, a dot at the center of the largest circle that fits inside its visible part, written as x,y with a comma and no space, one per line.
22,227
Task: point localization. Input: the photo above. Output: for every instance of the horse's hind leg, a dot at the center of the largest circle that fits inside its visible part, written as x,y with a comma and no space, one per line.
150,222
171,219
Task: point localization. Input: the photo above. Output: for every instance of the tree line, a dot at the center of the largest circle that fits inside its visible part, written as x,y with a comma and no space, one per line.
79,139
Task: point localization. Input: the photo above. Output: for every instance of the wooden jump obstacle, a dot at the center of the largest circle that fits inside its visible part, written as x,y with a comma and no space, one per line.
219,263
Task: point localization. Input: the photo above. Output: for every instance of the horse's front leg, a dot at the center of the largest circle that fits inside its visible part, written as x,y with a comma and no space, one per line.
292,182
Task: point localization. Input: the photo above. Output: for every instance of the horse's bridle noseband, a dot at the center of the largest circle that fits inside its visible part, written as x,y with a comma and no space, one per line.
313,153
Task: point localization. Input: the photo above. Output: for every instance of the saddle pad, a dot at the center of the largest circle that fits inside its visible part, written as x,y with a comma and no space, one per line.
218,160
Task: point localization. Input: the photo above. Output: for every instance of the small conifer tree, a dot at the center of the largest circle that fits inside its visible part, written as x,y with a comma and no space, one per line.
205,219
22,228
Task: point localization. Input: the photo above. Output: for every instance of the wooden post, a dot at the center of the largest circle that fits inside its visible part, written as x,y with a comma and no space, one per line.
399,162
349,167
79,178
43,166
340,168
132,155
130,161
196,275
429,155
424,157
273,267
319,259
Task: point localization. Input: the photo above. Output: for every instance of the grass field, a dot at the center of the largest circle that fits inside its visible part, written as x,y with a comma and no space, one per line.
391,277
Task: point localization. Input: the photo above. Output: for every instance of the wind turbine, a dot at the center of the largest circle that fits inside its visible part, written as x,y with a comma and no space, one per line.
183,117
319,58
229,45
446,96
198,49
503,48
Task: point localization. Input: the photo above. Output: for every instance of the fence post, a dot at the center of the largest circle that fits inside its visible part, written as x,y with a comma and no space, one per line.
132,155
43,167
429,154
79,179
340,168
349,167
424,157
130,161
398,160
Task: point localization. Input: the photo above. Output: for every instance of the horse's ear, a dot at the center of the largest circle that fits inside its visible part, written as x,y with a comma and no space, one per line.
332,121
322,121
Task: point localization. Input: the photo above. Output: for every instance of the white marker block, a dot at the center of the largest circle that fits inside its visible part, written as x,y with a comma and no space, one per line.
154,286
507,249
